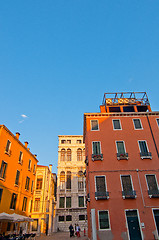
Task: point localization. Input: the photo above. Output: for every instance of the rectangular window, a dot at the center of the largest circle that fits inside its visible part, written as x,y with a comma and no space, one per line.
3,170
144,152
94,125
116,124
126,183
37,205
137,124
61,219
79,141
32,186
39,183
27,183
29,165
68,141
156,216
17,177
81,201
68,218
62,202
96,148
157,120
68,202
1,191
24,204
68,181
7,150
127,187
63,141
120,147
20,157
35,225
34,169
153,190
81,217
13,201
31,205
100,183
103,217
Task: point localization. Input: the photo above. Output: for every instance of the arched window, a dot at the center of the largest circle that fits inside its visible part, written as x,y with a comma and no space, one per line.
68,181
63,153
62,180
79,154
68,154
80,181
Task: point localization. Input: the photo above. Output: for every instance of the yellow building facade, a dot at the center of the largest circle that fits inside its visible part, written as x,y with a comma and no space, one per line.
44,201
17,175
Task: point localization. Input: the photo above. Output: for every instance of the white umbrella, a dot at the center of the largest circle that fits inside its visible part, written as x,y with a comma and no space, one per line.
20,218
6,217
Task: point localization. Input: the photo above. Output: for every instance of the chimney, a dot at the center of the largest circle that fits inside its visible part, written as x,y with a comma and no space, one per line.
17,135
50,167
35,155
26,144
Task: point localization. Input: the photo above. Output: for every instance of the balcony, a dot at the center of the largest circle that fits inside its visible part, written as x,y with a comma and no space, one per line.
101,195
153,193
97,157
122,156
144,155
129,194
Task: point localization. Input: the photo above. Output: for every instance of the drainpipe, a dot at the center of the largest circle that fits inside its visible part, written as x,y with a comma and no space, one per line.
93,219
137,170
152,135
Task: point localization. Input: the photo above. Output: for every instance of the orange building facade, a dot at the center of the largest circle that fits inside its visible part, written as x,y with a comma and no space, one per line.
122,168
17,176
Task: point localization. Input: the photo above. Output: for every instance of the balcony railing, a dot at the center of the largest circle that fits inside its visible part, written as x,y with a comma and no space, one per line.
101,195
153,193
122,156
129,194
145,155
97,157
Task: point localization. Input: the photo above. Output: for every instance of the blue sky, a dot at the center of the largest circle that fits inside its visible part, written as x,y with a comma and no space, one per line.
57,58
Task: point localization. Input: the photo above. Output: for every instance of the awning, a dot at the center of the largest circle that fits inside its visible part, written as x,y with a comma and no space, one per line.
14,218
6,217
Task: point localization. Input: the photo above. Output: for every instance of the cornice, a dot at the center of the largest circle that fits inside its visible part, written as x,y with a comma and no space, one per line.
15,138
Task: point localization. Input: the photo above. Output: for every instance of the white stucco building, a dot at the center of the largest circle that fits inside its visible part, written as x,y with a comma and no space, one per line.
71,191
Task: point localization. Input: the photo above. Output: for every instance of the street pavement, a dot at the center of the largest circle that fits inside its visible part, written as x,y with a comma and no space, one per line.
61,236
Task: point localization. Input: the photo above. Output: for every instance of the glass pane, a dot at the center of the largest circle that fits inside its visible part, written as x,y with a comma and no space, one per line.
94,124
103,220
120,147
143,147
137,123
126,182
151,181
96,148
116,124
100,184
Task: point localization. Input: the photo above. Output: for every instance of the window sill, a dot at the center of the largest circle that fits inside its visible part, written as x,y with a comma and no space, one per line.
2,179
8,153
16,185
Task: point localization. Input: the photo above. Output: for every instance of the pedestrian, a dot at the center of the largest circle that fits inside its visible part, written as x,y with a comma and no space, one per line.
78,230
84,232
75,229
71,230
